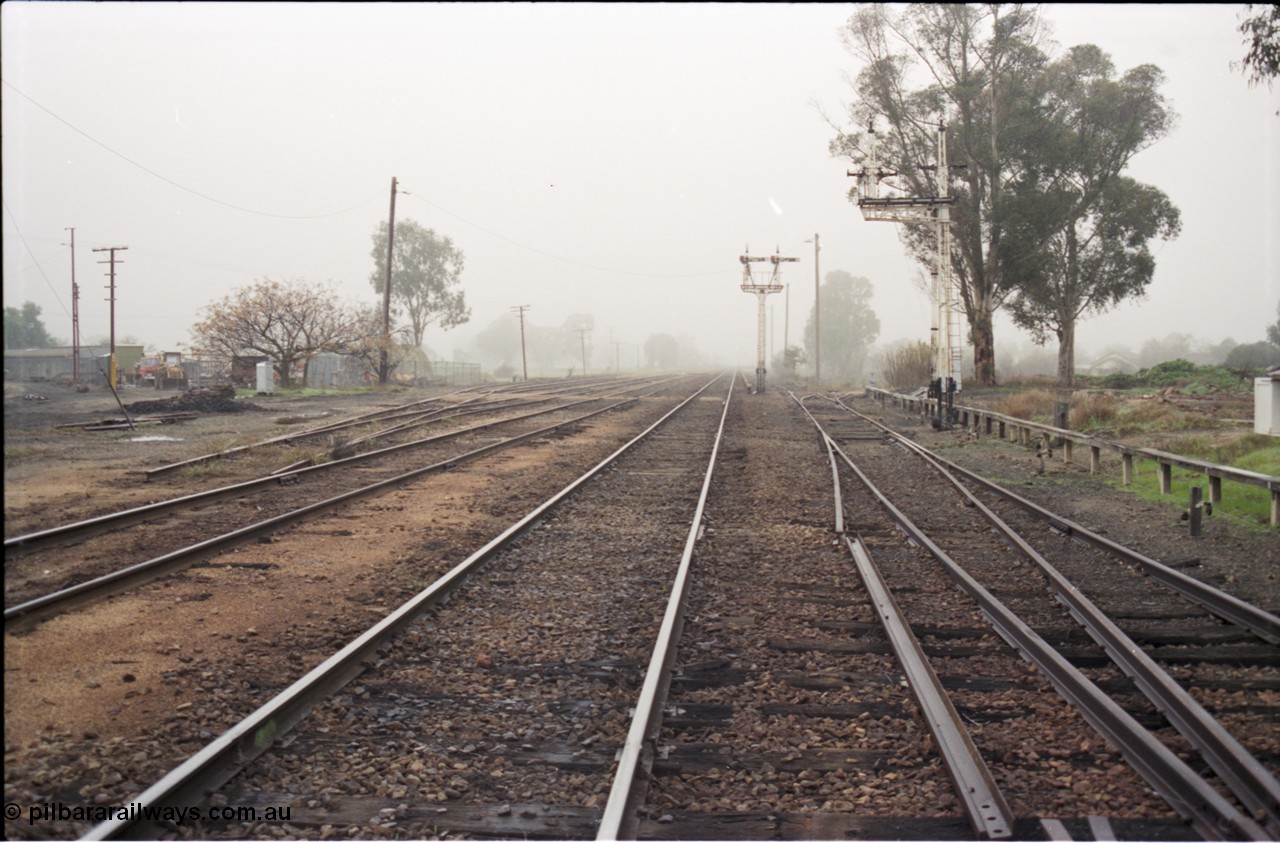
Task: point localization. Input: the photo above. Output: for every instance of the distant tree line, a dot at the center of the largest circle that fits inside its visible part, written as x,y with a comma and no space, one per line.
23,328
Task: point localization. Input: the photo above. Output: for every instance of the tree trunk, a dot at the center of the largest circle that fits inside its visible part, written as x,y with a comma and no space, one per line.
285,369
1067,355
984,350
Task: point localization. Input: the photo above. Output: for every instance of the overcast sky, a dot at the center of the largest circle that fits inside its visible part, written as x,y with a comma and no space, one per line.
610,159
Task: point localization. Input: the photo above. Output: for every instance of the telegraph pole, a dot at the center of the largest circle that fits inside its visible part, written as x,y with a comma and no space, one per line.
111,363
519,311
761,290
817,336
75,314
582,334
617,366
384,368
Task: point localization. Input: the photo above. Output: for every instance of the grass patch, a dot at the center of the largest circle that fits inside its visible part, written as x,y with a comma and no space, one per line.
1241,503
17,452
1029,405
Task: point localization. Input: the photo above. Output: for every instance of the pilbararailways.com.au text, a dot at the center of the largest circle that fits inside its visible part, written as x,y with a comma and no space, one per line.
134,811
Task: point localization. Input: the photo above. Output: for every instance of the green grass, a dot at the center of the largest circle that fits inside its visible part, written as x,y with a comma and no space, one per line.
1241,503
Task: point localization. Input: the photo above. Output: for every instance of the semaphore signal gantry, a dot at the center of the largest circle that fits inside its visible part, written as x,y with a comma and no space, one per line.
762,285
945,338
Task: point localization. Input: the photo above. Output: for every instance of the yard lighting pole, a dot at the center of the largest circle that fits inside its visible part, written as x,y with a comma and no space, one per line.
519,311
582,335
817,345
384,368
75,314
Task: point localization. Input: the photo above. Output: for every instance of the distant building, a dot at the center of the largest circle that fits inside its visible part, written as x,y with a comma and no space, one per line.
58,363
1111,364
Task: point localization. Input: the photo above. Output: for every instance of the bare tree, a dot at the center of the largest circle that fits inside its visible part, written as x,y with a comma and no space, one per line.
289,323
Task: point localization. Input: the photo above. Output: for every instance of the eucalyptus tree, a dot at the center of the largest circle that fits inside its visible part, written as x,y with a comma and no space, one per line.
1261,29
974,69
1079,229
425,276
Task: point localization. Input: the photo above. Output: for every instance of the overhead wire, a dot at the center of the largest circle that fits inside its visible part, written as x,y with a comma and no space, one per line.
179,185
561,258
438,207
21,237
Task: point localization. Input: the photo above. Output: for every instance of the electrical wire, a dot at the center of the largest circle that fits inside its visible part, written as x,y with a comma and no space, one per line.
52,289
558,257
178,185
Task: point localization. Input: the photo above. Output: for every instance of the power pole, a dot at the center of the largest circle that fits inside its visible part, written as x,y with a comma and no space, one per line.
786,320
75,314
617,366
582,335
519,311
384,368
111,363
761,290
934,211
817,335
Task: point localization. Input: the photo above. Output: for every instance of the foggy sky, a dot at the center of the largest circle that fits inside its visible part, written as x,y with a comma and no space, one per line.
610,159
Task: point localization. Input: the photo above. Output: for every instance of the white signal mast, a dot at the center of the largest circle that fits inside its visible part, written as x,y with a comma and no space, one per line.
946,341
762,289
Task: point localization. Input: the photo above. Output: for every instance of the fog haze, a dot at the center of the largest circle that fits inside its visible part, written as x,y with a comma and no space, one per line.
610,159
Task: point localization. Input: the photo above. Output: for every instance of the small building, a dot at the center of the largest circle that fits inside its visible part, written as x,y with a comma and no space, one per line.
1111,364
58,363
1266,403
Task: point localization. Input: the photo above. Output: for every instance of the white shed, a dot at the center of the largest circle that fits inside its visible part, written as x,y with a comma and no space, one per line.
1266,403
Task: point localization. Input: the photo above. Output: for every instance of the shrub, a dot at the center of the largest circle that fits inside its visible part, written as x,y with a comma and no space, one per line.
908,367
1170,372
1119,380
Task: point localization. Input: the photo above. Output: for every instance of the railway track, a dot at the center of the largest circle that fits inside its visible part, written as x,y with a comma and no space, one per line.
726,637
535,661
992,569
58,568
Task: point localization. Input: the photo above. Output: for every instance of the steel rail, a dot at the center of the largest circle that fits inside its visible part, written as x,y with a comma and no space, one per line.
1211,814
132,576
636,756
428,420
975,786
1232,609
1243,774
372,416
468,410
31,542
363,418
219,761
